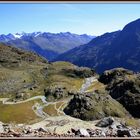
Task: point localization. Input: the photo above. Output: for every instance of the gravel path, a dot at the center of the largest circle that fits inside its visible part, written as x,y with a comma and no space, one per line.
38,109
87,84
5,100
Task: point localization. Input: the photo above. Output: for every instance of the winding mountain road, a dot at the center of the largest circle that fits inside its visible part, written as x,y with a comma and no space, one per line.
38,109
5,100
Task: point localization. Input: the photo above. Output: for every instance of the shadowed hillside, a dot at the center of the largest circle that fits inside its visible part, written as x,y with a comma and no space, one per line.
111,50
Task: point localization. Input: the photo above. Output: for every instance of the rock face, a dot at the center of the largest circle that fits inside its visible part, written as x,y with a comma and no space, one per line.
124,132
82,133
92,106
55,93
124,86
105,122
80,72
115,74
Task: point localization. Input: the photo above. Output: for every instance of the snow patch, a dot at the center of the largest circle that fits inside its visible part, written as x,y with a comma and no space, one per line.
17,35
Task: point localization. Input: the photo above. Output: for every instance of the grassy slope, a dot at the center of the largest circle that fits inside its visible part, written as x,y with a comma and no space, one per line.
96,86
18,113
14,78
57,77
52,109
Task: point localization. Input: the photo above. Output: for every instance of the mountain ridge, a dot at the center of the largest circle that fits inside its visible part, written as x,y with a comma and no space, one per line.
49,45
110,50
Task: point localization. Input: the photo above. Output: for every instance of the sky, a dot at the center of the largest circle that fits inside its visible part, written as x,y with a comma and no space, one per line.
89,18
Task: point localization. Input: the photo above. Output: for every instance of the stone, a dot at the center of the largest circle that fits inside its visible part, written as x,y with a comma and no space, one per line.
133,132
73,130
41,129
103,134
1,128
105,122
83,132
123,133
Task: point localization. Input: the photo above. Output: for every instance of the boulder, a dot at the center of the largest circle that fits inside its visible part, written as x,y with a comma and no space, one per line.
82,132
105,122
79,72
41,129
55,93
123,133
1,128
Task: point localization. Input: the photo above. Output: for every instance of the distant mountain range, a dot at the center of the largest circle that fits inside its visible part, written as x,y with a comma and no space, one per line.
110,50
48,45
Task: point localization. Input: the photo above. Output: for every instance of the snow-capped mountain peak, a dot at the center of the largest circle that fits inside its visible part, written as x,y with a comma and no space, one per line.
17,35
35,34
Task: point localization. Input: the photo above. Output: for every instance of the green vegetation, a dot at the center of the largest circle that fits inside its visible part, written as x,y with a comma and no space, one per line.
59,104
56,76
50,110
30,77
92,106
20,75
55,109
24,75
106,107
95,86
132,122
59,85
18,113
124,86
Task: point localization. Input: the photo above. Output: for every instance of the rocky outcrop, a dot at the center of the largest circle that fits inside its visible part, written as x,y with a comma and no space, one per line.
114,129
105,122
109,76
13,57
56,93
92,106
80,72
124,86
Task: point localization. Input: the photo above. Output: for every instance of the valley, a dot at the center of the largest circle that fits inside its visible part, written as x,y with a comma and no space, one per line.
91,88
40,104
44,43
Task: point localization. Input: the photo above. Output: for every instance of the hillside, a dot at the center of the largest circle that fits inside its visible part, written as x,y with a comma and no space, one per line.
111,50
124,86
39,98
25,75
48,45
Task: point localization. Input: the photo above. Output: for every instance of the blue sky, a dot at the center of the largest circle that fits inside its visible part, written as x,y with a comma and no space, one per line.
93,19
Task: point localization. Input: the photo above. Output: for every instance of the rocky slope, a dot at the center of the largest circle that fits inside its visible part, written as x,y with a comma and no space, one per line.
124,86
93,106
107,127
119,98
110,50
76,103
27,70
24,75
